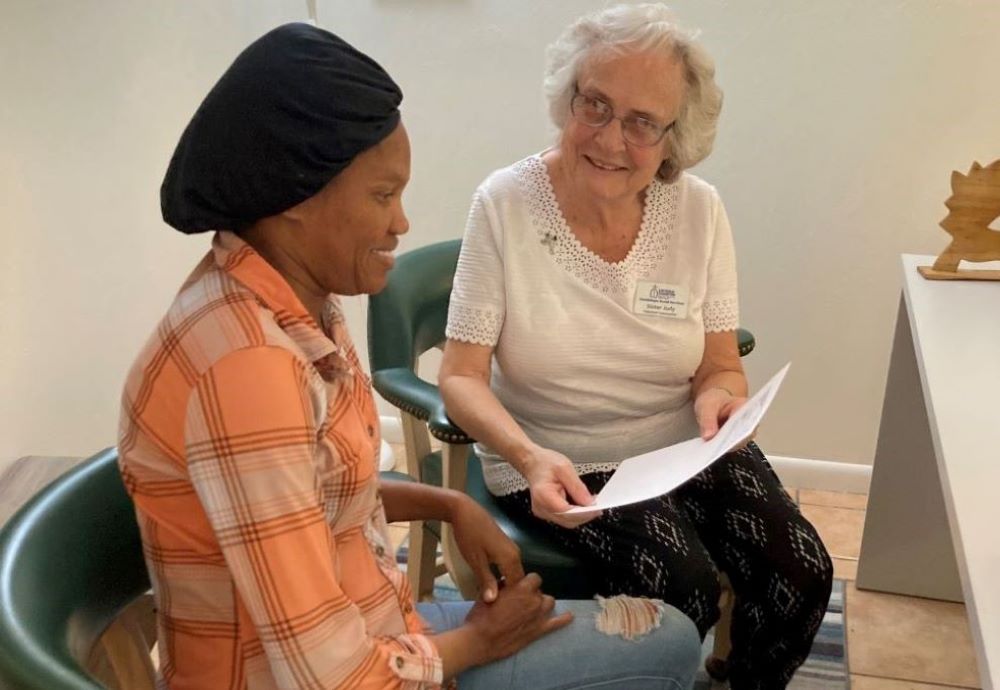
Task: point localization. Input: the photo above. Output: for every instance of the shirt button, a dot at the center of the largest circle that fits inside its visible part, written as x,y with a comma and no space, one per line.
371,431
379,551
407,608
399,662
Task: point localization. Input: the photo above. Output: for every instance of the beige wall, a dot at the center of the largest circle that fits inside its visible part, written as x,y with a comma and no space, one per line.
841,125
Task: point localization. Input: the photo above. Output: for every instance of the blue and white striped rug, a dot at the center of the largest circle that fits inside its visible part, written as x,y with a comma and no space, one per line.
825,669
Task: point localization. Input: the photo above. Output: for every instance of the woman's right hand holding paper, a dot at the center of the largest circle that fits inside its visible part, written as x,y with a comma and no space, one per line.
556,487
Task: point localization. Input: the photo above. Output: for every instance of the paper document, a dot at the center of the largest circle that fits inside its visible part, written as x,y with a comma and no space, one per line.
655,473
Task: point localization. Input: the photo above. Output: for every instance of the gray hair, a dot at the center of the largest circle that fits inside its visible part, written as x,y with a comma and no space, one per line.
641,28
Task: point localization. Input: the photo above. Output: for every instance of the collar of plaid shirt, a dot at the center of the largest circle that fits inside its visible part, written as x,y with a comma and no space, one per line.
325,344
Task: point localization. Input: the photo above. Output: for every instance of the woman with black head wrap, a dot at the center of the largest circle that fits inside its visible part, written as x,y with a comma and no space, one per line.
249,436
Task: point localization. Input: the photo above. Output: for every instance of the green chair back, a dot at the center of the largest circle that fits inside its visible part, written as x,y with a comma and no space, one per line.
70,561
408,317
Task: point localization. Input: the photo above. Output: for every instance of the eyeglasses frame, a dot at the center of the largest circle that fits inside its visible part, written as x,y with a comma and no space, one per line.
612,116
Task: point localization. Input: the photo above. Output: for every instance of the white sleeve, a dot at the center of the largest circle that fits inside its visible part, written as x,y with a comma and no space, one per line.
478,301
721,311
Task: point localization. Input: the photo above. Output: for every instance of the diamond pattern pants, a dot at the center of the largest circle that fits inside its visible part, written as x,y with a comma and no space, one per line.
735,517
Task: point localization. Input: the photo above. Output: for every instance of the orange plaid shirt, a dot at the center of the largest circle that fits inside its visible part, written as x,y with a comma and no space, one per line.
248,442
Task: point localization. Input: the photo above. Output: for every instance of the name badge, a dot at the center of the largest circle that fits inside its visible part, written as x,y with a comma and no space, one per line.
660,299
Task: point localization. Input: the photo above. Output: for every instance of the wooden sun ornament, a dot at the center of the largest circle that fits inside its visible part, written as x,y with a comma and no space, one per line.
972,206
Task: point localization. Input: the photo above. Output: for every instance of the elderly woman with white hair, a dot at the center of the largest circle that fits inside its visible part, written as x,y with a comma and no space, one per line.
560,370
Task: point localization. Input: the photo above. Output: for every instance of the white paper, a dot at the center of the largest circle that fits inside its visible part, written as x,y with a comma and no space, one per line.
658,472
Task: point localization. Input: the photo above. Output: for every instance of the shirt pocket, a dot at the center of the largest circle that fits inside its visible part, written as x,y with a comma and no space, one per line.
351,435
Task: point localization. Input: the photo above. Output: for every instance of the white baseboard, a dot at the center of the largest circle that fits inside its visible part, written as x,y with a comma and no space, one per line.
795,473
822,475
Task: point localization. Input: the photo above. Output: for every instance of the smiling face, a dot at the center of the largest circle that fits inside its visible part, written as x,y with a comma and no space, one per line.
345,234
598,159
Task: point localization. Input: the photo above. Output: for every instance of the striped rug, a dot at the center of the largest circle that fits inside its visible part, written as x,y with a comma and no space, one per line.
826,667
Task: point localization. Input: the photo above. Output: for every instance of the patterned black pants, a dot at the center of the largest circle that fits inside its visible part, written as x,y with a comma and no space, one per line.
735,517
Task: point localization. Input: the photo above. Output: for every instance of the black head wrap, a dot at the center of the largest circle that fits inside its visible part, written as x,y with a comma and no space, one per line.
291,112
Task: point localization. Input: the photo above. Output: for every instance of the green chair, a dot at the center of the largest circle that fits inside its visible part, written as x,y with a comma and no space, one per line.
74,608
70,563
405,320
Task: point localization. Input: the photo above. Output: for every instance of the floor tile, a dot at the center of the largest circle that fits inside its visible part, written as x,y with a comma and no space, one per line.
834,499
839,528
873,683
845,569
908,638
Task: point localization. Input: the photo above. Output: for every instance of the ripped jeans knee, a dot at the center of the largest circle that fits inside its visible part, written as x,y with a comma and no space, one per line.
628,617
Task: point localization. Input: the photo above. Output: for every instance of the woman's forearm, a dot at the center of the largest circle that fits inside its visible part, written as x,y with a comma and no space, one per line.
720,366
727,379
472,405
405,501
460,649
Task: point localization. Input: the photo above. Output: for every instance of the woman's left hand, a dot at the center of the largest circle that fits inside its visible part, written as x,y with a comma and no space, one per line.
713,407
482,543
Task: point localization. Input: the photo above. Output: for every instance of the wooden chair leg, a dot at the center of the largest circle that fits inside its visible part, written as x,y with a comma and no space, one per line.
416,443
121,658
459,570
454,466
717,665
421,566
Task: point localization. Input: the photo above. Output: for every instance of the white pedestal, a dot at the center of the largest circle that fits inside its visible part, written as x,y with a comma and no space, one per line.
933,522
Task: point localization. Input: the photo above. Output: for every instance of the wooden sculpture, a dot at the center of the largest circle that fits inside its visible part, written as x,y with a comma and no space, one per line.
972,206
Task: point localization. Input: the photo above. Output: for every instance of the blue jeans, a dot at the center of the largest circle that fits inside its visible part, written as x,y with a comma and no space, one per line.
581,656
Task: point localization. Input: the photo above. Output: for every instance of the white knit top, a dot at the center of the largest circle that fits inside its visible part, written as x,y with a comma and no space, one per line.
592,359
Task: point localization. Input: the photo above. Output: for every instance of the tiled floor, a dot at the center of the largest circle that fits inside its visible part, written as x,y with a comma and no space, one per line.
893,642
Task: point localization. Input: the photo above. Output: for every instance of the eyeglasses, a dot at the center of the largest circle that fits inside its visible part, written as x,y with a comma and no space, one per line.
637,130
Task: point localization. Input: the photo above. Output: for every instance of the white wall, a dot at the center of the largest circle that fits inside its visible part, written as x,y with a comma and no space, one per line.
841,126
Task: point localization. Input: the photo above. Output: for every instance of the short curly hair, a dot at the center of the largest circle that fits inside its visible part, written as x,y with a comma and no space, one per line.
648,26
